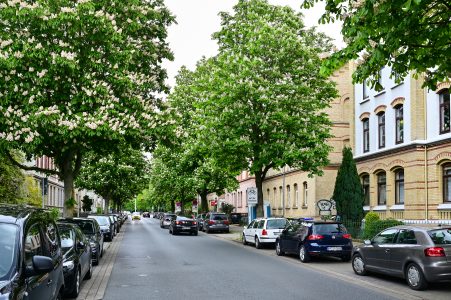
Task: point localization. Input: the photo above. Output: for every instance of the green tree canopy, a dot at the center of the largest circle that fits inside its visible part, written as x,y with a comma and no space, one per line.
403,34
80,76
262,99
348,191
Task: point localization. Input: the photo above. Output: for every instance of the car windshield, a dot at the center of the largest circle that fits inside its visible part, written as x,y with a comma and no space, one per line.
8,249
441,236
67,238
87,228
102,220
276,224
219,217
328,228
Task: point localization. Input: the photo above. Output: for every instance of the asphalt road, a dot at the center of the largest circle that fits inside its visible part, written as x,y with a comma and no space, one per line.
152,264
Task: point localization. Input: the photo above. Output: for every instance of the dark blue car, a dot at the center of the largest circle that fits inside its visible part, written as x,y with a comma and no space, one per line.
315,238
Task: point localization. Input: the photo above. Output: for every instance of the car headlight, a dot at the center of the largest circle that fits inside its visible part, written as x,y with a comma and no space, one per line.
68,265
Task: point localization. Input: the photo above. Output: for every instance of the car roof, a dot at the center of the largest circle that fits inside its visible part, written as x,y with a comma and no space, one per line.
11,213
422,227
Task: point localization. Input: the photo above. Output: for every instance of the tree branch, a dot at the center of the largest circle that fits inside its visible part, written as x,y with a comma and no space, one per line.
28,168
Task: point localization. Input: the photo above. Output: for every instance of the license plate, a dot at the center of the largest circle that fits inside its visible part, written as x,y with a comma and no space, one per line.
334,249
276,233
185,227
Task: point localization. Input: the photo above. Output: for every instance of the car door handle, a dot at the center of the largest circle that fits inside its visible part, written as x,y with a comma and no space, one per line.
387,250
49,283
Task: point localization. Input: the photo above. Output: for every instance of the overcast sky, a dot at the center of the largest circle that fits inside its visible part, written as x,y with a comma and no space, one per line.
190,38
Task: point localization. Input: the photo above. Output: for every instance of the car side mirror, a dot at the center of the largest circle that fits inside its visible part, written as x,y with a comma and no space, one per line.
367,242
41,265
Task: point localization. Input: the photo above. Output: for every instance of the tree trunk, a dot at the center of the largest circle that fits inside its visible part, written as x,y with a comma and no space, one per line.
68,179
172,206
106,205
203,201
259,185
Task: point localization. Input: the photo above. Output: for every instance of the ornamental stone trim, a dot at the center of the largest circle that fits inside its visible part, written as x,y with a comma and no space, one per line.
365,115
397,101
379,109
443,86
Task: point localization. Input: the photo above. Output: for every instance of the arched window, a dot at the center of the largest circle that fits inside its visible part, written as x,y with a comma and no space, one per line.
305,193
366,134
381,129
275,196
288,196
399,186
296,195
366,188
447,182
281,196
444,112
381,188
399,115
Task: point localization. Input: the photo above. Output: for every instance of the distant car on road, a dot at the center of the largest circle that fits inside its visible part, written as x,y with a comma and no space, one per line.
214,221
146,214
77,261
31,261
181,224
136,216
91,228
263,231
200,221
315,238
418,254
106,226
165,221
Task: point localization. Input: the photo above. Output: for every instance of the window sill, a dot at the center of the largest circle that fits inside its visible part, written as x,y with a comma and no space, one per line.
379,94
396,85
445,132
444,206
304,207
295,207
287,207
397,207
366,208
365,100
380,207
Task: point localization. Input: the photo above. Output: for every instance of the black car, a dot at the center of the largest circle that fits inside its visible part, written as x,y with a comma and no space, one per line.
237,218
315,238
106,226
77,261
91,229
116,224
31,260
182,224
146,214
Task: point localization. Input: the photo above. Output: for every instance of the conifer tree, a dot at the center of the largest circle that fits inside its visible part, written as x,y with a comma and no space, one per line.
348,191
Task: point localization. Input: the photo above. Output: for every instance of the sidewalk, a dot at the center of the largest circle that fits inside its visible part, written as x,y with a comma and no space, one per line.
234,235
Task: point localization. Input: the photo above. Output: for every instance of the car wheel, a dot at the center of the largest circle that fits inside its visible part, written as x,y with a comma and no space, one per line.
101,252
195,233
89,273
415,277
170,231
76,289
346,258
207,230
174,232
227,231
279,251
358,265
257,243
303,254
243,239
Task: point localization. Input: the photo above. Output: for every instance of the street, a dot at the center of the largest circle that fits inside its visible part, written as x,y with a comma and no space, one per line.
152,264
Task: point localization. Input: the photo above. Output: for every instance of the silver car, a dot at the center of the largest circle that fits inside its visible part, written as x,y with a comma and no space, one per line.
418,254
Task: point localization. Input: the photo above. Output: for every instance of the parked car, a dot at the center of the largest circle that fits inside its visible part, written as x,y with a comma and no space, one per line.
77,261
117,223
146,214
106,226
263,231
31,260
114,222
418,254
237,218
165,221
90,228
216,222
136,216
315,238
182,224
200,221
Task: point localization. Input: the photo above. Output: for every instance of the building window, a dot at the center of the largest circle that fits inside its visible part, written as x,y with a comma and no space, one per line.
381,188
268,195
381,129
366,189
364,90
447,182
296,195
288,196
444,112
399,113
240,203
305,193
281,196
399,187
366,135
275,196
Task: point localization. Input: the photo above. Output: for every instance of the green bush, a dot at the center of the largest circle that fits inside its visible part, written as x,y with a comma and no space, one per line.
375,226
98,209
371,217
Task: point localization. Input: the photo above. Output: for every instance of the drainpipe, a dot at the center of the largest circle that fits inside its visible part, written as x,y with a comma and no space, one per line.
283,193
426,175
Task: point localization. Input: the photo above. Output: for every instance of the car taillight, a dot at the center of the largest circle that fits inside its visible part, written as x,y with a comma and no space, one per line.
434,251
211,222
194,223
347,236
178,222
315,237
264,232
226,222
